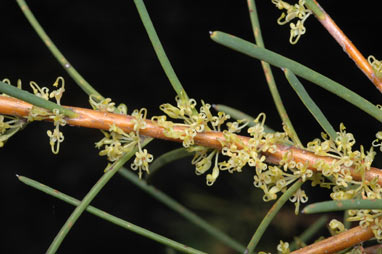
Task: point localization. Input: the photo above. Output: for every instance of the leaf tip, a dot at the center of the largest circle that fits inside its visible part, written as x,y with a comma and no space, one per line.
212,33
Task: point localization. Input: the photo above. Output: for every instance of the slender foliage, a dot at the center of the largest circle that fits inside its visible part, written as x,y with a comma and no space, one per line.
81,82
89,198
309,232
110,218
269,76
183,211
341,205
165,159
270,215
157,45
275,59
310,104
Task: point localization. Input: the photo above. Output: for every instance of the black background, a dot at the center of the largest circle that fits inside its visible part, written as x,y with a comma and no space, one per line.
107,44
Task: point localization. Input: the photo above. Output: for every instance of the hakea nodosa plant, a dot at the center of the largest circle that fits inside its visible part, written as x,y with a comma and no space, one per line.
281,162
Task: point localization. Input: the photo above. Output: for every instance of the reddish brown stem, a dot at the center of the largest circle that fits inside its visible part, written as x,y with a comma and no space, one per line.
103,120
348,47
338,242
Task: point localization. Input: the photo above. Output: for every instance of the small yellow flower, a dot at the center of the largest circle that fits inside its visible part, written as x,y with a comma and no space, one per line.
336,227
57,94
298,197
296,30
141,162
375,64
103,105
3,125
38,91
55,139
139,119
283,247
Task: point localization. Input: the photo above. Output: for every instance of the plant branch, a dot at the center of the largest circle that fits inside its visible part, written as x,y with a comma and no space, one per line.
81,82
338,242
89,198
108,217
102,120
268,74
344,42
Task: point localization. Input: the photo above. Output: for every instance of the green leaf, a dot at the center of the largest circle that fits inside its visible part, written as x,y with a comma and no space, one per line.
275,59
309,104
182,210
108,217
115,167
165,159
309,232
341,205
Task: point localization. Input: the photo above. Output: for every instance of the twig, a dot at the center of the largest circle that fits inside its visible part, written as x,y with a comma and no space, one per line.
344,42
338,242
103,120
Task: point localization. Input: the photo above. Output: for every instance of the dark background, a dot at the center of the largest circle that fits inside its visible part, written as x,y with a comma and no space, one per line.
107,44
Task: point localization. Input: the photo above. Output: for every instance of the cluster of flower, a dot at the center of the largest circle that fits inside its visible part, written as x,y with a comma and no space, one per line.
293,11
56,137
275,179
117,142
9,128
271,179
345,186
